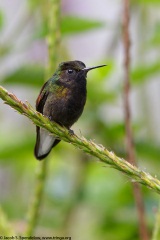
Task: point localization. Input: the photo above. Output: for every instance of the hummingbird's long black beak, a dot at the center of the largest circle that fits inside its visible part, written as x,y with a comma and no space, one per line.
90,68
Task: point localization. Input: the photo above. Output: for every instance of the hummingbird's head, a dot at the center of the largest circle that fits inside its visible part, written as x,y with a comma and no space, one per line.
73,71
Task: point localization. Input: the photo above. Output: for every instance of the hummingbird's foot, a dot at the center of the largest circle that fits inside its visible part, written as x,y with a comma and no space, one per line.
70,131
50,118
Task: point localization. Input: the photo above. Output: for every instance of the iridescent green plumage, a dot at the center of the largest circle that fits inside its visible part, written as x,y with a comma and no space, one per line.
62,99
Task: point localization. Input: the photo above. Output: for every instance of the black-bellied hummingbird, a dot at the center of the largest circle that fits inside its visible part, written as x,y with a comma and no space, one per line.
61,99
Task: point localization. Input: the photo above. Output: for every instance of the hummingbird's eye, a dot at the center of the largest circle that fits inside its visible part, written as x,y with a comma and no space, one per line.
70,71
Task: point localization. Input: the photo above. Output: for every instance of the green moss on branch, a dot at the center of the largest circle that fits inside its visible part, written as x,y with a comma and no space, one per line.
88,146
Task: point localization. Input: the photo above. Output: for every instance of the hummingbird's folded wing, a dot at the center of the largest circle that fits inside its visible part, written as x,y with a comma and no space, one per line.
45,141
41,99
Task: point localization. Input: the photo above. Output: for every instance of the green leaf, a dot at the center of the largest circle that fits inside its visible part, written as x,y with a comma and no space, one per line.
28,75
155,40
70,25
5,49
152,2
17,148
1,19
143,72
33,5
97,84
73,25
148,150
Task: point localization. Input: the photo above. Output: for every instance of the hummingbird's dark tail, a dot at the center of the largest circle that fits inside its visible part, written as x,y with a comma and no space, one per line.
44,143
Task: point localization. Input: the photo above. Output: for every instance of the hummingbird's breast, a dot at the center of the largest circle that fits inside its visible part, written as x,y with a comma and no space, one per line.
65,105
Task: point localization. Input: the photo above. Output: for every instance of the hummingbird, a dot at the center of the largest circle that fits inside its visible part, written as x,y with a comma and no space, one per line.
61,99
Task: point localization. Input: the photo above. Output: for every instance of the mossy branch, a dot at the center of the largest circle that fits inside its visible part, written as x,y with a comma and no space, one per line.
88,146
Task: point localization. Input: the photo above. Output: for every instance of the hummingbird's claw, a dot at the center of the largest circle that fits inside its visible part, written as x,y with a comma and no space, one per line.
50,118
70,131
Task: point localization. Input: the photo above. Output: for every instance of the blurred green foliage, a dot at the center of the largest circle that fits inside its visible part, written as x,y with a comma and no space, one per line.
144,72
1,19
71,25
75,25
32,76
83,199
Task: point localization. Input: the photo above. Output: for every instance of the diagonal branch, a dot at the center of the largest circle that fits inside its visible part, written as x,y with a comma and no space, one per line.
88,146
